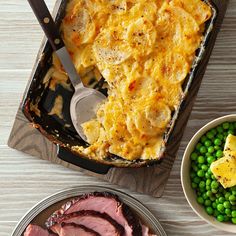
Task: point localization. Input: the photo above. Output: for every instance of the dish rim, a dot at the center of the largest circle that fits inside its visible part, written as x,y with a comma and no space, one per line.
189,193
71,192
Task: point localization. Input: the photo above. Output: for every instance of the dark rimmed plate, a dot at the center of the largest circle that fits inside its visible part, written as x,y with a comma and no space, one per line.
41,211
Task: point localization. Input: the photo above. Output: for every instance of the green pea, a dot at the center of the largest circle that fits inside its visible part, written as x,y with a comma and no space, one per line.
227,196
233,188
211,149
233,220
207,154
221,199
203,149
194,156
210,159
217,142
214,184
208,182
207,143
214,205
204,167
225,125
209,193
227,204
196,180
203,138
233,214
213,131
204,196
220,218
207,202
208,187
209,210
207,176
228,212
219,129
214,190
194,167
220,136
232,198
231,126
212,198
220,207
201,173
202,184
200,200
234,192
217,148
202,190
210,135
198,146
219,153
201,159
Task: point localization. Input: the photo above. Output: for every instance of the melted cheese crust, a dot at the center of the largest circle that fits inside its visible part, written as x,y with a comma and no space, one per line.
144,50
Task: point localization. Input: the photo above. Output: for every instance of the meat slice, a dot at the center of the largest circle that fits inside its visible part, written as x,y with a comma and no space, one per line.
35,230
102,202
99,222
72,229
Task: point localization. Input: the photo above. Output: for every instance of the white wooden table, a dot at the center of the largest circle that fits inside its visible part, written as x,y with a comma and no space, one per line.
24,180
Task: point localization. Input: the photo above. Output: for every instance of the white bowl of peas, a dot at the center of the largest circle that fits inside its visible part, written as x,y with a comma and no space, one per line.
206,196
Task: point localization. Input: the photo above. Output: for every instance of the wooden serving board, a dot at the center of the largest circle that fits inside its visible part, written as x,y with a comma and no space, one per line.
149,180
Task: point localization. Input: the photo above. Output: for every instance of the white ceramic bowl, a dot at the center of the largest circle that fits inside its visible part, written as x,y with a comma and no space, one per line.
185,178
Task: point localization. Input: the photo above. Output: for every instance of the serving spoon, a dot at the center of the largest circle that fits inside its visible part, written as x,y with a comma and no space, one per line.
84,100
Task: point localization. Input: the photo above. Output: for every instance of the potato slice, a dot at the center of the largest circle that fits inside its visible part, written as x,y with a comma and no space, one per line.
197,8
152,119
141,36
78,26
108,49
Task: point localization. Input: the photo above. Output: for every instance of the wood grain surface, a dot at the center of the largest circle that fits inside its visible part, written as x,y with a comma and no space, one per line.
24,179
24,137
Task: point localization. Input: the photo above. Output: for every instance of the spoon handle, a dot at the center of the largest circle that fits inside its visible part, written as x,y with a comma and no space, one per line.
50,29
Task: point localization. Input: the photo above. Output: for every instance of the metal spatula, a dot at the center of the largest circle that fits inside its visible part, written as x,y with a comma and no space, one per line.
85,100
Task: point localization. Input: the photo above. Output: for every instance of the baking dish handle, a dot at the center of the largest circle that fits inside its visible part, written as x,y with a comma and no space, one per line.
90,165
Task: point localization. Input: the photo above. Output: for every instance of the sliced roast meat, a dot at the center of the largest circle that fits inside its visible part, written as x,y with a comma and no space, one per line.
35,230
99,222
72,229
102,202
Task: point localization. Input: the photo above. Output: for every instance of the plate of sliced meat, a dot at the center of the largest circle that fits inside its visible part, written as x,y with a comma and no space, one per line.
89,211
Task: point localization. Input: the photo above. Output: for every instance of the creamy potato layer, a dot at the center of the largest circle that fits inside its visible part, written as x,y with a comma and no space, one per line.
144,50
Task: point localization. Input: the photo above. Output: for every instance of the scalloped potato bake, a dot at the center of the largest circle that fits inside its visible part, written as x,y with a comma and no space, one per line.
144,50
